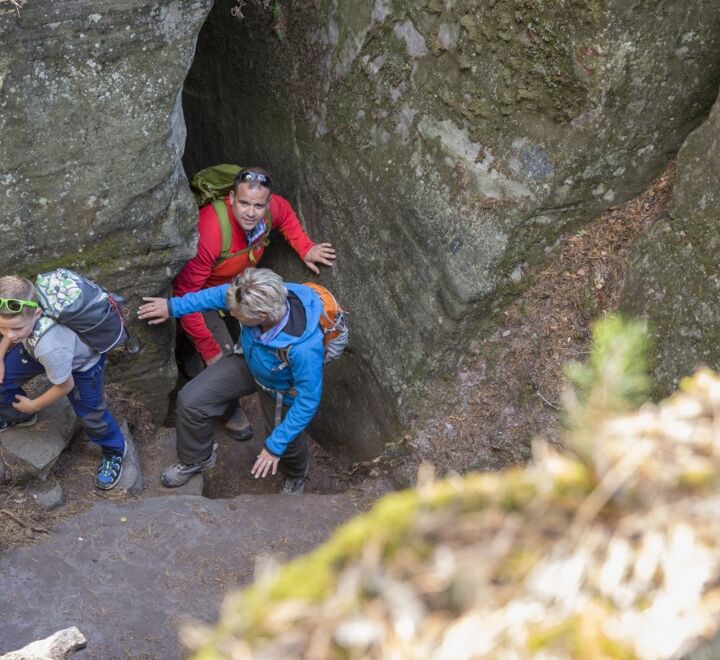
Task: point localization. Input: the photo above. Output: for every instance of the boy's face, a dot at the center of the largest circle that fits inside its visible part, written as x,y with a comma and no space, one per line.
19,326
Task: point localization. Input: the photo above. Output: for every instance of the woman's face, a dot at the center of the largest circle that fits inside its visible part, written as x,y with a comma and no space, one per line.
249,321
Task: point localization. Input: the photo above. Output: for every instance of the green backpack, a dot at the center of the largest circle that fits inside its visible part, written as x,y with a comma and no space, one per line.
211,186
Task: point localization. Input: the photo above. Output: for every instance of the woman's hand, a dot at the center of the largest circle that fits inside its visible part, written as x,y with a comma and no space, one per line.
265,461
154,311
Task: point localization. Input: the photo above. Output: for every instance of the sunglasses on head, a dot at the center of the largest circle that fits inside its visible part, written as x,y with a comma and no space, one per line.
15,306
249,175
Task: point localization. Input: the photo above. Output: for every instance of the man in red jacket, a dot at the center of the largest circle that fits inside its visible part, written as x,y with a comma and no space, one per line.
253,211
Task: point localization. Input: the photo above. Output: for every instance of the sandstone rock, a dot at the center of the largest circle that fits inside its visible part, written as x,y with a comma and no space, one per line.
131,478
48,495
56,647
440,146
91,134
32,451
141,566
673,278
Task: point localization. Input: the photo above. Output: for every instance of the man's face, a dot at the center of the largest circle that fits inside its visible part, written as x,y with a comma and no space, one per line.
18,327
249,205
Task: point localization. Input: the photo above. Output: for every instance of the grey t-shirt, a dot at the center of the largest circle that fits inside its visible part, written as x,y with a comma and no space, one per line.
61,352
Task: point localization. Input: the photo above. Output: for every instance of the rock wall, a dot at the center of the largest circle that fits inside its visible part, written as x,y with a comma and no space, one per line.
91,134
443,146
673,279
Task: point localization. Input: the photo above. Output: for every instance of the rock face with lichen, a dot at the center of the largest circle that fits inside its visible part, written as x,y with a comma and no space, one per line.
608,553
442,147
673,279
91,135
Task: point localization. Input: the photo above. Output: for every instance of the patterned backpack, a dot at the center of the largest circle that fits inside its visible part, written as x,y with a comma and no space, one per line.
94,314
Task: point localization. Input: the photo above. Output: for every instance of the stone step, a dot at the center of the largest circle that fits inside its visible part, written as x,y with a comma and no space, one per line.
32,451
127,573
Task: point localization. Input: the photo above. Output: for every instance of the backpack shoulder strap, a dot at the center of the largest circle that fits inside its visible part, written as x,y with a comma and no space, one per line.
225,229
42,325
283,355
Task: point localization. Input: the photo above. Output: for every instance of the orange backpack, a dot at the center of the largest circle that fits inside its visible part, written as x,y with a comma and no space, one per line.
334,325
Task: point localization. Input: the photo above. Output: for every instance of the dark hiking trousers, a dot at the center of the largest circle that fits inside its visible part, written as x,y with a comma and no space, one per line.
208,395
87,397
225,330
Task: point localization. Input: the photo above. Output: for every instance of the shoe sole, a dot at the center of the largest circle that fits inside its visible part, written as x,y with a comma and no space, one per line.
18,425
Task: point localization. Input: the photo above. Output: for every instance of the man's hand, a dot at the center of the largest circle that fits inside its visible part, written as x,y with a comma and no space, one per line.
322,253
23,404
264,462
155,310
2,371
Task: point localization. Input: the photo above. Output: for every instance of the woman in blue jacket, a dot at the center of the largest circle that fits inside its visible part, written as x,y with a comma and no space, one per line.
280,354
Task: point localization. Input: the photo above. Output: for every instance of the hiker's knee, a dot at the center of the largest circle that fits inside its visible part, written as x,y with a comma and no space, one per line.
189,405
95,424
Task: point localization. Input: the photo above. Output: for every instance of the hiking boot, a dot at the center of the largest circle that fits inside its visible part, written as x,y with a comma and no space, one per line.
294,486
179,474
238,427
6,424
110,469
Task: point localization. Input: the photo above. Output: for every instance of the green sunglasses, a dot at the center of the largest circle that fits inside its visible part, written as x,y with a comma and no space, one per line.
15,306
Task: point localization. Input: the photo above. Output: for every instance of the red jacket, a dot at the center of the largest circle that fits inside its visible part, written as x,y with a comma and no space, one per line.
201,272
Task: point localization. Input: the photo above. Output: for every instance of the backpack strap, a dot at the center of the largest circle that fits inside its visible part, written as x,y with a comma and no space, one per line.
42,325
282,355
223,217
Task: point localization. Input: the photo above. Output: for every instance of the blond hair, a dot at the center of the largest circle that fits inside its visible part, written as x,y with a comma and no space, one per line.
258,291
19,288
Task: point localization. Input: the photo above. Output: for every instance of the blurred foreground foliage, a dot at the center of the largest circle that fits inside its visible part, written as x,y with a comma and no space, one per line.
608,550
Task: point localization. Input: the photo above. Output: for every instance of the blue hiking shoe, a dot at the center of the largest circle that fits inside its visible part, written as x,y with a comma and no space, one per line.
110,469
6,424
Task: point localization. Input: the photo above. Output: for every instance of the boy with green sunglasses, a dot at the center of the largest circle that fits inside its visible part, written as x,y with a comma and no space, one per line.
32,343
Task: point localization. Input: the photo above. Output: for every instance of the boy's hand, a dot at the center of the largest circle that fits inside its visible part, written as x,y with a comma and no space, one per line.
2,371
23,404
155,310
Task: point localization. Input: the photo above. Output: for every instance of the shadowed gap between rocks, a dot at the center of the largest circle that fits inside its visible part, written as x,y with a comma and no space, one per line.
231,119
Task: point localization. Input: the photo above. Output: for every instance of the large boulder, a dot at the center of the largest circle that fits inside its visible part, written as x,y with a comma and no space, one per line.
91,134
32,451
442,147
673,279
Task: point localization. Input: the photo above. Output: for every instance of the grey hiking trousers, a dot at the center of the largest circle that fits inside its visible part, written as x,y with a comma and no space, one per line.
208,395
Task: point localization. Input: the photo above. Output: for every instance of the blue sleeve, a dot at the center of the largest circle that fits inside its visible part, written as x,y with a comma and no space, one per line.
307,370
205,300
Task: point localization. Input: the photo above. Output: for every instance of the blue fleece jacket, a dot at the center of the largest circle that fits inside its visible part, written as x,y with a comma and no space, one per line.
300,382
